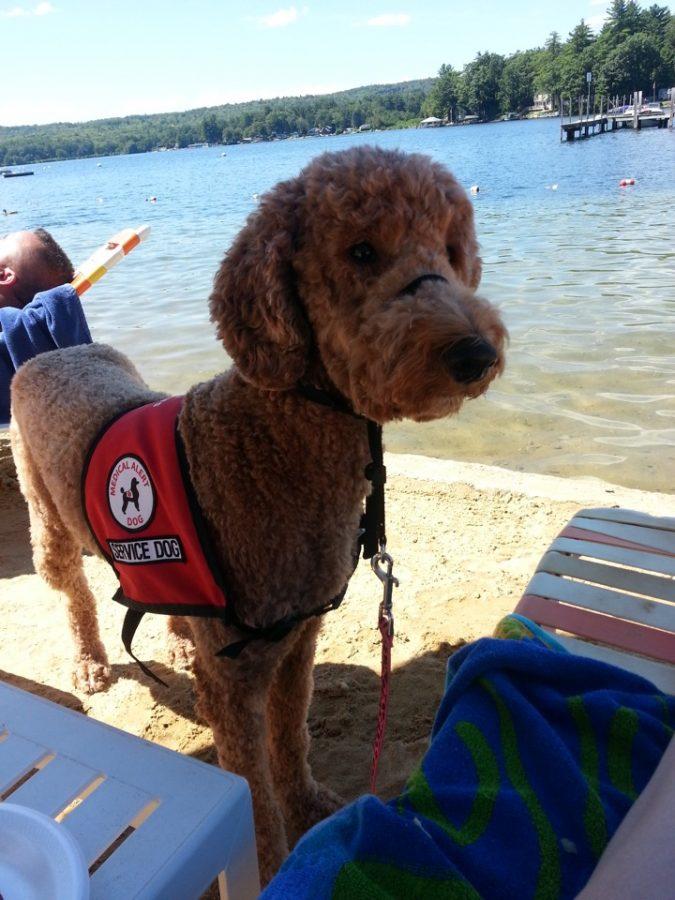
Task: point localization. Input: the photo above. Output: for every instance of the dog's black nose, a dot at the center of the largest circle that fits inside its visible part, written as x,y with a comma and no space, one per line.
470,359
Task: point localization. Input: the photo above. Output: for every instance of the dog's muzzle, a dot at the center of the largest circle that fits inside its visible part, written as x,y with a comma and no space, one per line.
470,359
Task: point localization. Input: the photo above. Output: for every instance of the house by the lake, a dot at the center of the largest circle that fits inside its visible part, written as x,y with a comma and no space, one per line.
542,103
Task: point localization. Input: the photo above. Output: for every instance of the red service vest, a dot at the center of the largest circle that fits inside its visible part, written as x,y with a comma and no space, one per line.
142,510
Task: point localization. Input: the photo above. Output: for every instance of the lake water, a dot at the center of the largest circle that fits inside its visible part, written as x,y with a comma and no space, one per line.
584,275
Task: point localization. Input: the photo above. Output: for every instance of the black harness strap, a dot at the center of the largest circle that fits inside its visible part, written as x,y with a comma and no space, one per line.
132,620
372,521
333,401
372,531
274,633
280,628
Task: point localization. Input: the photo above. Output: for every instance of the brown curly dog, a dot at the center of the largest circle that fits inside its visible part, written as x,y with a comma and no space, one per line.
358,277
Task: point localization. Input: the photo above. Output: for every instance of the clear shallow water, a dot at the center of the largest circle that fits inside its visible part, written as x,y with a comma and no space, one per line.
584,275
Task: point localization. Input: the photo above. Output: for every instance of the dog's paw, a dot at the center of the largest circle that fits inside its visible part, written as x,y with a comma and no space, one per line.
325,803
91,675
315,806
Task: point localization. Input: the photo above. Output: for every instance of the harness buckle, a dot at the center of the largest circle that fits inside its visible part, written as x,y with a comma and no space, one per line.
376,474
389,582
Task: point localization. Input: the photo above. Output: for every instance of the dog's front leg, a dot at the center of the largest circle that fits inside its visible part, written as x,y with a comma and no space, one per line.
180,642
232,698
303,800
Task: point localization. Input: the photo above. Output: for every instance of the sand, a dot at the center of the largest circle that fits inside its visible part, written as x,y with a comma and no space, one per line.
465,538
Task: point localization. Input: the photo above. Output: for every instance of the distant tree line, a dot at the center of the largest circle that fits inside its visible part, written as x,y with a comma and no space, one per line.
380,106
635,50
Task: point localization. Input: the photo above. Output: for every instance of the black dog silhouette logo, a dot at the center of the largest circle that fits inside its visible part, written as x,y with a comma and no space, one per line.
131,496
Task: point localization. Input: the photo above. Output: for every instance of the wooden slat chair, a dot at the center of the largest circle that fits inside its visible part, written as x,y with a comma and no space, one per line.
151,823
606,588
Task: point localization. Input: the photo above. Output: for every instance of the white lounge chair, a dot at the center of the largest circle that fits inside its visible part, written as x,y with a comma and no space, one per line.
606,587
151,823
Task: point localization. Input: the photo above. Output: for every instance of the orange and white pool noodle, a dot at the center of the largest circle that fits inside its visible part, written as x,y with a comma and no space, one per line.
107,256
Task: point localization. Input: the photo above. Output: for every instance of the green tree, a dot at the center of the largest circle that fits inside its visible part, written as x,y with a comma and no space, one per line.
516,84
187,134
358,117
668,53
443,97
655,20
624,18
580,38
231,135
553,45
577,58
547,78
479,88
634,65
212,129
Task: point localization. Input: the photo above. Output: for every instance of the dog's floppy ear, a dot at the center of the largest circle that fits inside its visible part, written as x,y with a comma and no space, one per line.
469,263
476,267
254,303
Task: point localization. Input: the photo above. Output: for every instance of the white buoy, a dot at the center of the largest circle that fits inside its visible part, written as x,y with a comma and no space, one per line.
474,189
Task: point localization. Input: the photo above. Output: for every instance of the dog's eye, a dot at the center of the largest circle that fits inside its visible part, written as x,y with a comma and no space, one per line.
363,252
453,254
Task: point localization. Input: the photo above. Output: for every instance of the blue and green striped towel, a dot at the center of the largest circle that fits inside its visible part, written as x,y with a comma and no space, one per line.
536,756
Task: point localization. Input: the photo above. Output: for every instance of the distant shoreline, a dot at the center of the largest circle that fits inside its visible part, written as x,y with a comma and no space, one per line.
276,140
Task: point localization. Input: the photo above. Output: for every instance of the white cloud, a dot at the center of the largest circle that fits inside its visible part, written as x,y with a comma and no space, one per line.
283,17
16,12
390,20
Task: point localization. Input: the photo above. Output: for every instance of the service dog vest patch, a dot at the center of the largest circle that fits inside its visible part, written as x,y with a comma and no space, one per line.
141,509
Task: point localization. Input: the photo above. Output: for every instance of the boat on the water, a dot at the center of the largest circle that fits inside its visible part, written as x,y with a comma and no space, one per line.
648,113
16,174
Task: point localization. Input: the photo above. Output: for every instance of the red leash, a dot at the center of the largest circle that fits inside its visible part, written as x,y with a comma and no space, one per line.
386,628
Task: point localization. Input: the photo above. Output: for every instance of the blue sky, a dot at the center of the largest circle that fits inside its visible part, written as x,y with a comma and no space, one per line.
71,60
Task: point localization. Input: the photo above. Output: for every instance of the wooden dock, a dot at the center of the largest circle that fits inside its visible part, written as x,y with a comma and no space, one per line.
636,114
588,126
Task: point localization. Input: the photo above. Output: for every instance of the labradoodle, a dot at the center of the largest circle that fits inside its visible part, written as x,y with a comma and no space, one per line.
357,277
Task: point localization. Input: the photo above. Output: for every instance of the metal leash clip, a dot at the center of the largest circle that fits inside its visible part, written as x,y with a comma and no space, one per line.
389,581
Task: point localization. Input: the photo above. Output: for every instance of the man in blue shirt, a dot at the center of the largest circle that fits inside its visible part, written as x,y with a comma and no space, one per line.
35,314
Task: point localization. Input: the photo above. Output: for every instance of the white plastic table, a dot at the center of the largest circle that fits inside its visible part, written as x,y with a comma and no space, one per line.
151,823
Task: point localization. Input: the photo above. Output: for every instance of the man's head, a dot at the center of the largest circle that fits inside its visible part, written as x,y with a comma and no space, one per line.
30,261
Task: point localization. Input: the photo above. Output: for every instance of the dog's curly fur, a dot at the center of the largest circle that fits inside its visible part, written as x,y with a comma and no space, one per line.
279,478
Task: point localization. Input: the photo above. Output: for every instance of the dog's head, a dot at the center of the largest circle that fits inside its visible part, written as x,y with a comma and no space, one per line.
361,274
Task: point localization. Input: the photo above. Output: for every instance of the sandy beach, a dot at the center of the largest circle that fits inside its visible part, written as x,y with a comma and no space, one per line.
465,538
